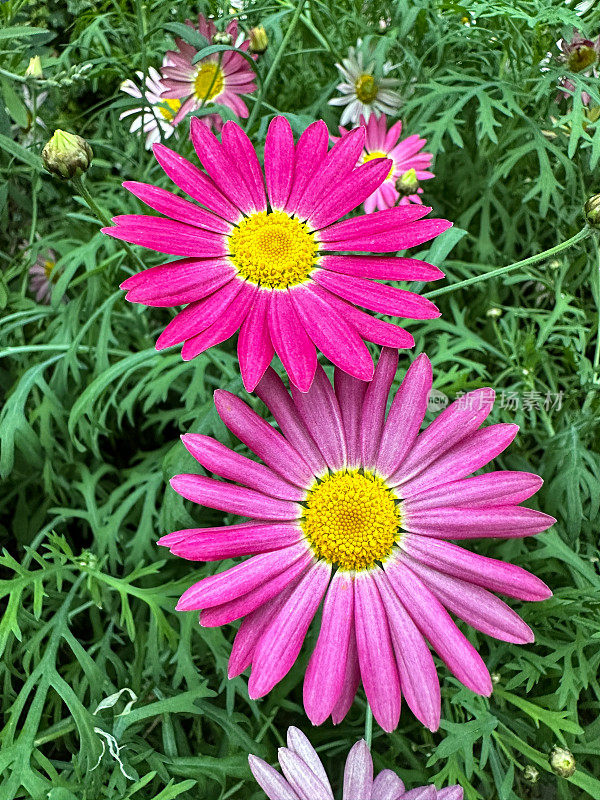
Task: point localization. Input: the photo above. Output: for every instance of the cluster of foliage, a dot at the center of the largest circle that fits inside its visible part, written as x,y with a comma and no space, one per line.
107,691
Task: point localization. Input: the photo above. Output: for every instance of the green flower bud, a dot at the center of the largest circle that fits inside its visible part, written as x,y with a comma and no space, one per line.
494,312
67,155
258,40
407,183
34,68
592,211
562,762
531,774
221,37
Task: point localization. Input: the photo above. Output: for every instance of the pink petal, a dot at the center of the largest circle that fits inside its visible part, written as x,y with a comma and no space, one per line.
167,236
238,147
270,781
301,777
470,523
374,406
222,328
350,393
390,241
279,161
505,487
358,773
383,268
378,668
291,341
279,647
179,282
372,224
311,150
324,677
299,744
351,682
216,544
175,207
387,786
255,349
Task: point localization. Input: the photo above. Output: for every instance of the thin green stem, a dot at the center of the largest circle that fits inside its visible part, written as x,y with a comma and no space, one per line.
582,234
369,726
278,56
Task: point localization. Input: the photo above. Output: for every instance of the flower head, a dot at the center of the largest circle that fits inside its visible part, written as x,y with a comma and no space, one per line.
42,275
212,79
580,56
405,155
354,508
562,762
67,155
156,117
34,68
258,40
304,776
363,92
270,263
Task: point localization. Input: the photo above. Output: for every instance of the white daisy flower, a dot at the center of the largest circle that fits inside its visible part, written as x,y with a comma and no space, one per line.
364,93
155,119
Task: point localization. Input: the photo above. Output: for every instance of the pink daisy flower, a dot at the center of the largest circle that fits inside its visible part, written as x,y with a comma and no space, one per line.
354,508
405,155
279,265
42,276
208,80
305,778
580,55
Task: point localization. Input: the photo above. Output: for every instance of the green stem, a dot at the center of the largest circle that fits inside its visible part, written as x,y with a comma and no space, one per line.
275,64
583,233
369,726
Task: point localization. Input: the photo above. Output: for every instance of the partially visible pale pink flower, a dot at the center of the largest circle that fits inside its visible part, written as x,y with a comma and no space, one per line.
42,276
405,155
279,263
354,508
208,80
304,777
156,117
579,55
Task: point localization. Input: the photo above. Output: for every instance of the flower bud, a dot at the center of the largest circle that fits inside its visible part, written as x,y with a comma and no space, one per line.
562,762
67,155
531,774
222,37
494,312
407,183
258,40
34,68
592,211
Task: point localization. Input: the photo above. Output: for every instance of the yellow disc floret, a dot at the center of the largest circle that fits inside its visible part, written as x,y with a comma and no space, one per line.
351,520
208,81
378,154
48,268
273,250
366,88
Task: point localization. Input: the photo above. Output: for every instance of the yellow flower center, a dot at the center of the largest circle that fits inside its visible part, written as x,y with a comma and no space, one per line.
169,107
581,58
48,267
351,520
273,250
378,154
366,88
209,81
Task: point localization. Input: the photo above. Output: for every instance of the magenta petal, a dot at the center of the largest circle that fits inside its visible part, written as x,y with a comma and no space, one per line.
223,327
240,579
291,341
279,647
320,412
178,282
279,161
383,268
270,781
310,153
358,772
377,296
216,544
479,608
351,682
369,224
434,622
407,413
324,677
255,349
350,393
238,147
175,207
167,236
390,241
378,668
500,488
277,399
490,573
418,677
469,523
338,340
374,406
263,439
219,459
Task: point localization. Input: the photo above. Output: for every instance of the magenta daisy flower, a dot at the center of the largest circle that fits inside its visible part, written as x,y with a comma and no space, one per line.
405,155
354,508
279,264
209,80
304,777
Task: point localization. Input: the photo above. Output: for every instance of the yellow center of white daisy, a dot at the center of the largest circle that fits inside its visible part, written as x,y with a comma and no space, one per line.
48,267
208,81
169,107
378,154
273,250
351,520
366,88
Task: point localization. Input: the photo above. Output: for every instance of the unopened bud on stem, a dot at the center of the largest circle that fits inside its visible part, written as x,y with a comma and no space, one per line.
592,211
258,40
407,183
67,155
562,762
34,68
221,37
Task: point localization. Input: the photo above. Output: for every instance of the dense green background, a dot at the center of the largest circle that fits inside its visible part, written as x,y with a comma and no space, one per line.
91,413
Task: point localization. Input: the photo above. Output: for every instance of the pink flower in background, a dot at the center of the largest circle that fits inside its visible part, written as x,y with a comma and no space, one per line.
304,776
208,80
354,509
405,155
41,277
155,117
279,265
580,55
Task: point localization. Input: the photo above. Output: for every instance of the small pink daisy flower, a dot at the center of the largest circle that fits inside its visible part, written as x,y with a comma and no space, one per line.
279,264
42,276
305,778
580,55
405,155
208,80
355,509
